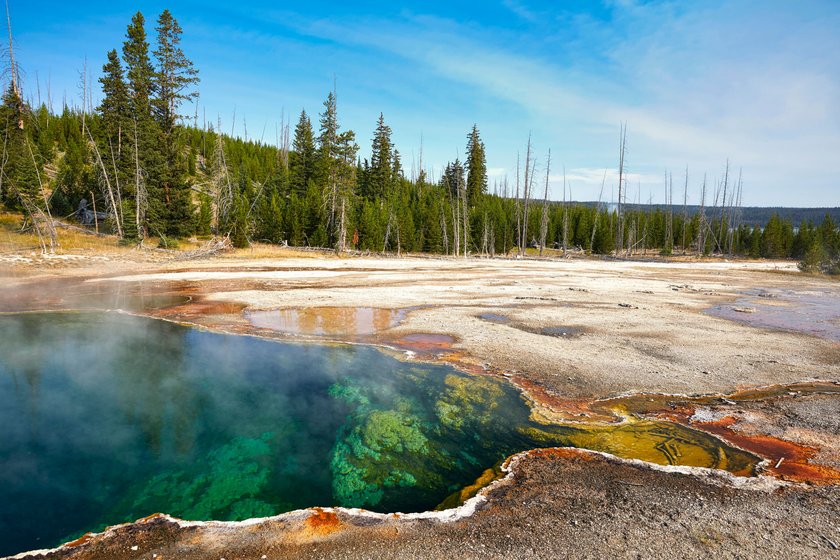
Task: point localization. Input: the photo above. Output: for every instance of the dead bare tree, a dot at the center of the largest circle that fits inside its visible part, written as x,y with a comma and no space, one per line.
527,186
42,221
597,210
455,206
140,198
566,213
544,218
342,227
518,210
701,230
465,212
669,225
492,241
108,190
5,158
223,186
619,233
723,224
42,224
735,217
83,85
485,238
685,210
444,230
116,178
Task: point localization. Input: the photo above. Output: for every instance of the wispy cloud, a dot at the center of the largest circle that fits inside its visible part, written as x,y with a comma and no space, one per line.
520,10
695,82
695,85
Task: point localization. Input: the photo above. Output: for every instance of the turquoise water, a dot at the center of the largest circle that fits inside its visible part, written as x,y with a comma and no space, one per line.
106,418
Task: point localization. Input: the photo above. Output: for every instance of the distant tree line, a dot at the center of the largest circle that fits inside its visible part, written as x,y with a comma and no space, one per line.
155,173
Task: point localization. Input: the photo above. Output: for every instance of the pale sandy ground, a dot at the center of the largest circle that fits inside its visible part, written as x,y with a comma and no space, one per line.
567,504
662,342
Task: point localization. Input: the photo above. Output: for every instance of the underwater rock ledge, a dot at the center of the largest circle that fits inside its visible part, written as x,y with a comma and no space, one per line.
317,523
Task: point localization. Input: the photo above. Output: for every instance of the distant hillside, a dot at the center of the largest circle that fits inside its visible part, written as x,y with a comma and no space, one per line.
751,215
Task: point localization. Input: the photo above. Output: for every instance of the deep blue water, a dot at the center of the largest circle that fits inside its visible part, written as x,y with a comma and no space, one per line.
106,418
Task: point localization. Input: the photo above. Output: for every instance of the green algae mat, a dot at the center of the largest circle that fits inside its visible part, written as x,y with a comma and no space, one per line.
107,418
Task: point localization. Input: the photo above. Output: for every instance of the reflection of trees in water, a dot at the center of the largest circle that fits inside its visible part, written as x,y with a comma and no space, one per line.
23,359
154,391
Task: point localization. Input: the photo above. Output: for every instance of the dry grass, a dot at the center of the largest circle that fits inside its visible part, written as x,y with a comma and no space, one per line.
12,240
267,251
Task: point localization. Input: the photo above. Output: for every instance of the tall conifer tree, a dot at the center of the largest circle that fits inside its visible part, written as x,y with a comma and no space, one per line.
476,167
174,82
380,176
117,126
302,156
143,137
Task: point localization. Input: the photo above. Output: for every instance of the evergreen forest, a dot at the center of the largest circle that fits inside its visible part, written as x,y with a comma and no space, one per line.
145,168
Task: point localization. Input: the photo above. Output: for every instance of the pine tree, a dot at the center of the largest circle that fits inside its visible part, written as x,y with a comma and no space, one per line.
139,69
19,180
114,107
117,128
175,76
346,183
328,161
476,167
205,216
144,151
174,80
396,168
381,160
302,156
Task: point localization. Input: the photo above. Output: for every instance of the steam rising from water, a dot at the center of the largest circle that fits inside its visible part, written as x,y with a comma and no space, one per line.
106,418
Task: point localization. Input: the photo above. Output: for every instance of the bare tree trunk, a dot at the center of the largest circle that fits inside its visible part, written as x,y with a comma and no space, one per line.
723,224
84,96
736,219
399,243
224,189
110,191
342,227
41,219
597,209
12,66
566,213
619,233
117,182
387,231
95,217
701,229
518,210
444,230
5,159
544,220
465,214
139,189
527,186
685,210
669,226
455,205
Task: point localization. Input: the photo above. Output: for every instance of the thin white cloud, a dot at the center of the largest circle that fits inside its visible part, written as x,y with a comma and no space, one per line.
695,83
520,9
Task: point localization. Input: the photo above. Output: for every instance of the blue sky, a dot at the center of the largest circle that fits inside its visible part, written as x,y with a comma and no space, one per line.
696,82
